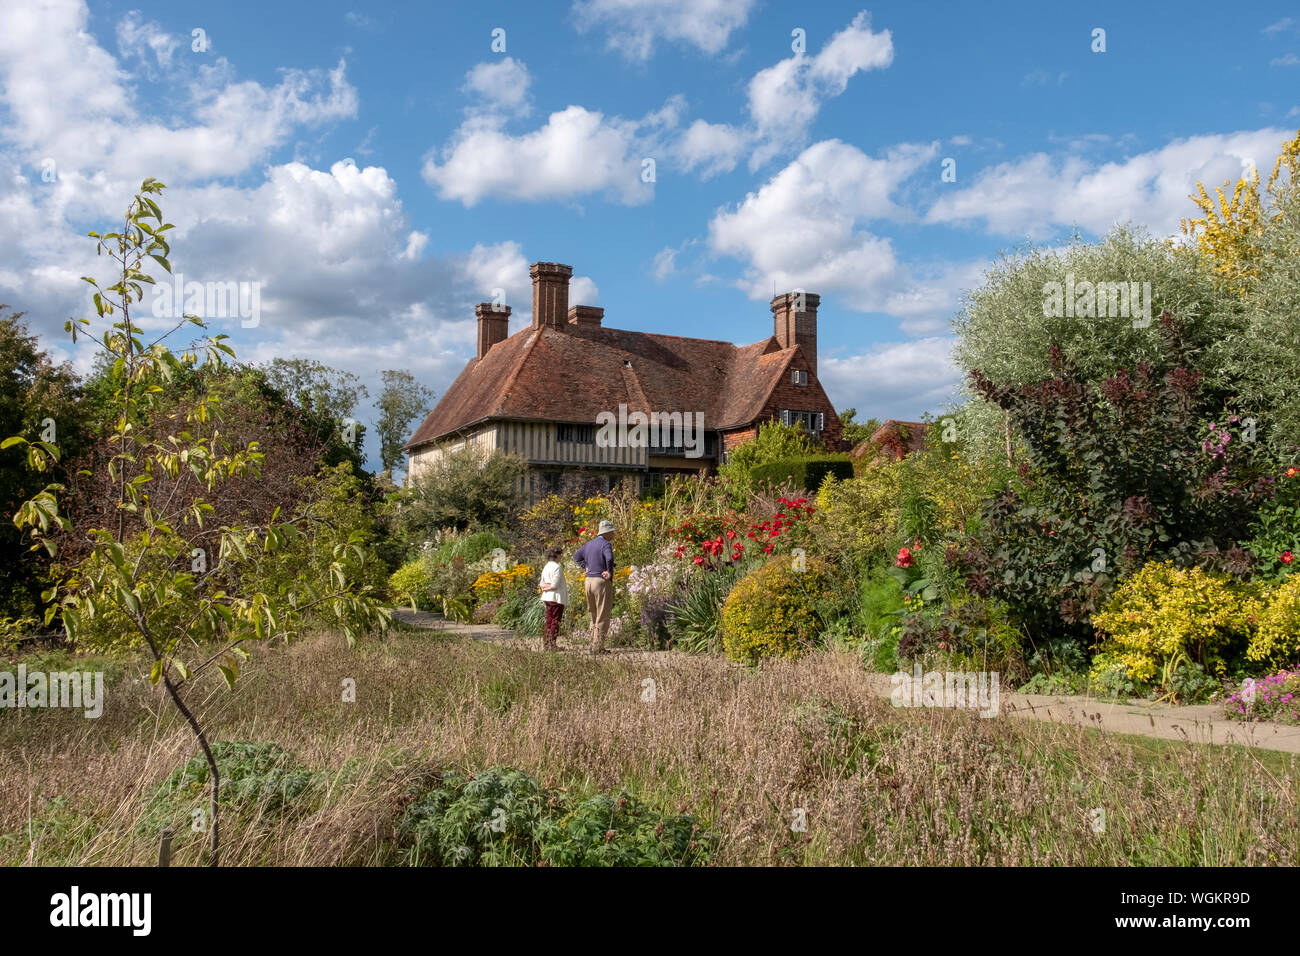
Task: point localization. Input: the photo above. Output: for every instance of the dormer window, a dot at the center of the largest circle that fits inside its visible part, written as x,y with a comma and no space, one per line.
798,376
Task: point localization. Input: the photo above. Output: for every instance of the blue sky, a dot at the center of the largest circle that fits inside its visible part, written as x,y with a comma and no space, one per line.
378,170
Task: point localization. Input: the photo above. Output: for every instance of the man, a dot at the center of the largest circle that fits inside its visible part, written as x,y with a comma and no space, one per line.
596,558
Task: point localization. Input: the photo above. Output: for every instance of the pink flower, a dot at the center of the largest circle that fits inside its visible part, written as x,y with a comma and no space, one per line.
1286,557
904,558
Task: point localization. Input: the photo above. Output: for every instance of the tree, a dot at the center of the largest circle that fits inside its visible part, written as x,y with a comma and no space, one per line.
36,399
401,402
856,433
144,579
471,488
330,392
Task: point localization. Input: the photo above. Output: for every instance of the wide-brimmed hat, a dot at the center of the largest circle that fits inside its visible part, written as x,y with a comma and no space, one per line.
605,527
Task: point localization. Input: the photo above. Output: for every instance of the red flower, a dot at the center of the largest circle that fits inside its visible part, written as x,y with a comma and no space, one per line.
767,549
698,559
1286,557
730,533
1292,472
904,558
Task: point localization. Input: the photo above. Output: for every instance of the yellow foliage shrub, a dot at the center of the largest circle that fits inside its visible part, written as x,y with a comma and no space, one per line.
1277,639
773,611
1163,612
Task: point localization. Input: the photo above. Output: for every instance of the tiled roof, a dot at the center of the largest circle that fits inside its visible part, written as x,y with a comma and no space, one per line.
545,374
889,437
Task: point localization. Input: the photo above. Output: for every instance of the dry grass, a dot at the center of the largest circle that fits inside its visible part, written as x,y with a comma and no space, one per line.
741,749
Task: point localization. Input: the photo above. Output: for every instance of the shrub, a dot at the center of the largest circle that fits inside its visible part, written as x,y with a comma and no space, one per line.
697,615
806,472
775,610
472,488
470,547
412,580
1277,638
1276,697
1163,617
774,442
860,514
503,817
1123,471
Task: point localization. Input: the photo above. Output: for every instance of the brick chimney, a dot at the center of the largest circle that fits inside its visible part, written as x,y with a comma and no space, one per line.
586,317
550,294
493,325
795,318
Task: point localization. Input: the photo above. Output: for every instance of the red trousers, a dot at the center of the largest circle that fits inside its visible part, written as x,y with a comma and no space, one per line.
554,612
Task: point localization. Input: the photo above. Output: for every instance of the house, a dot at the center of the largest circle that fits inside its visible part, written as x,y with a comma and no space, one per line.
568,392
893,439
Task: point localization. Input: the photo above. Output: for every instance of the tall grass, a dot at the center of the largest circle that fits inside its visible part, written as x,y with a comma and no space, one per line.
742,750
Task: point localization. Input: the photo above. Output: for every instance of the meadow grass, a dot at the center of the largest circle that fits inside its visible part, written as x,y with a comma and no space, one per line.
741,749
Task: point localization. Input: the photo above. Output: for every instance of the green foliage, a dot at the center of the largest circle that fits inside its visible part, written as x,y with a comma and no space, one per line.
329,392
411,581
806,472
1002,330
402,401
880,606
469,548
696,622
1133,468
468,489
853,432
1275,533
1163,616
165,594
774,442
775,610
860,515
35,394
503,817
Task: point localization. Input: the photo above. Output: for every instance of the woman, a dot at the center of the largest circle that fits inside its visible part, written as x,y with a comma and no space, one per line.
555,594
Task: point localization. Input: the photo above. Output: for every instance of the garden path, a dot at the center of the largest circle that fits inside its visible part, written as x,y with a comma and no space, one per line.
1198,723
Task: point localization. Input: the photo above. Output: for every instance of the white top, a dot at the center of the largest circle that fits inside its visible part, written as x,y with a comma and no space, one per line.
553,575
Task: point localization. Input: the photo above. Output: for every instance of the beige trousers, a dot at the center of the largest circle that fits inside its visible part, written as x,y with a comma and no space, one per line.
600,599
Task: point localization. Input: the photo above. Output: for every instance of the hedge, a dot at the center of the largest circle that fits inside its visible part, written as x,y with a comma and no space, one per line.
808,472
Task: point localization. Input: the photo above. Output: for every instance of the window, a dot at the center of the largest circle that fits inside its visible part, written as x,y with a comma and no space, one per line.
811,421
576,434
798,376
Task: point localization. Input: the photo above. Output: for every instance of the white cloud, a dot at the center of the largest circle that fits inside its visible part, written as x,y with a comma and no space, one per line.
576,153
665,263
786,97
634,27
1037,195
1284,24
893,379
501,85
1289,59
343,275
68,100
139,40
801,228
712,148
583,291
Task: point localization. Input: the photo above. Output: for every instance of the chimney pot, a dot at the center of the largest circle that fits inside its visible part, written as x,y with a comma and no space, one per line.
493,325
585,317
795,319
550,294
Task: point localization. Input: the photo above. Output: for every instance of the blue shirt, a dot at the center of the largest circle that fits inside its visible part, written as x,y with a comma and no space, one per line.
595,557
